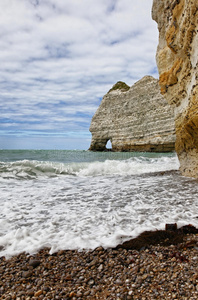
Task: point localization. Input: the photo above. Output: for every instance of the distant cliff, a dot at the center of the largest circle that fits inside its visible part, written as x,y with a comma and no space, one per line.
136,118
177,60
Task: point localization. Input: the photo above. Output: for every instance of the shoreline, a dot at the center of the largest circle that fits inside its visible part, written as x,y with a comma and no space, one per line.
166,268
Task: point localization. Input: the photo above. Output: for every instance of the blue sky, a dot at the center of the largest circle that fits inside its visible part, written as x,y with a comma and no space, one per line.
59,58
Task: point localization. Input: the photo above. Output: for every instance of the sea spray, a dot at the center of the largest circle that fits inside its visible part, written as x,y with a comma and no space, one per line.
66,204
29,169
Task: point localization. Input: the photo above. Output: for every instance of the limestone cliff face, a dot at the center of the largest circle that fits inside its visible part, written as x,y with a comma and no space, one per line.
134,119
177,60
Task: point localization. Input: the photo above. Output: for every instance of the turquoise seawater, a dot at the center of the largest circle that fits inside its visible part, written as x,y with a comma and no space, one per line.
82,199
68,156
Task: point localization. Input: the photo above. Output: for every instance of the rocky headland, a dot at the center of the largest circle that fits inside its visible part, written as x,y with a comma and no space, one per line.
177,60
156,266
136,118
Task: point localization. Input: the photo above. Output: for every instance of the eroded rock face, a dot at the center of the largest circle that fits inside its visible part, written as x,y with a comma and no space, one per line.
177,60
134,119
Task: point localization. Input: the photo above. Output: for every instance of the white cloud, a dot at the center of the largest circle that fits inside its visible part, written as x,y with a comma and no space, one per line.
72,52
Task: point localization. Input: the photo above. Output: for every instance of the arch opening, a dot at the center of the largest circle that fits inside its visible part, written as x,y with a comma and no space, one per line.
109,145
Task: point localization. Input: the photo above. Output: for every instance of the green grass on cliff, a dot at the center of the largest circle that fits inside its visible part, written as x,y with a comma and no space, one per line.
120,86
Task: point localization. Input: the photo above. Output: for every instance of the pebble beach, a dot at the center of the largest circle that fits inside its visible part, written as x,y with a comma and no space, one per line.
108,211
153,272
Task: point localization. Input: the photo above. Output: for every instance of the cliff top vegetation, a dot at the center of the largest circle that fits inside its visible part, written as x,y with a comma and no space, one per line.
120,85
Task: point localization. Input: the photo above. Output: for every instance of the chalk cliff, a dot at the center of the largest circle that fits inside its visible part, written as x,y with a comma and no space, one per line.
136,118
177,60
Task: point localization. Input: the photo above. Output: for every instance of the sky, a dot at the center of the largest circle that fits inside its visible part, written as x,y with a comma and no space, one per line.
58,58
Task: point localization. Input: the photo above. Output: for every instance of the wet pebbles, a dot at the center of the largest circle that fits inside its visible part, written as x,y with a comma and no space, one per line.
154,272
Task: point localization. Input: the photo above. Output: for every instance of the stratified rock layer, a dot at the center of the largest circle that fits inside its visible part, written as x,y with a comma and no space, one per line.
134,119
177,60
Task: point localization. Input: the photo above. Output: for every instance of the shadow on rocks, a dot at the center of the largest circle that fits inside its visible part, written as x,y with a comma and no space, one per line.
170,236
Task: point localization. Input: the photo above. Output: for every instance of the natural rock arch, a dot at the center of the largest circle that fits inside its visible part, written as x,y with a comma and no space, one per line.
134,119
100,144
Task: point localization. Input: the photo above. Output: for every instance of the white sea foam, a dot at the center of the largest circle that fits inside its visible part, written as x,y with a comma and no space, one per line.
132,166
88,204
136,165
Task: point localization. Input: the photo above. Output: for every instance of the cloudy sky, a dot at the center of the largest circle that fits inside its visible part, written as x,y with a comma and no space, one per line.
58,58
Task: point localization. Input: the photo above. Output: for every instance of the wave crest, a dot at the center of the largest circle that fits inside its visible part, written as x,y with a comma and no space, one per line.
31,169
27,169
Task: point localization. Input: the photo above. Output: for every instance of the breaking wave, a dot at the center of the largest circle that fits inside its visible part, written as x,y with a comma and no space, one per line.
27,169
82,200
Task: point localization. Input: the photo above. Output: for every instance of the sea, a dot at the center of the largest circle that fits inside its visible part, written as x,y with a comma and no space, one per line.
82,200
